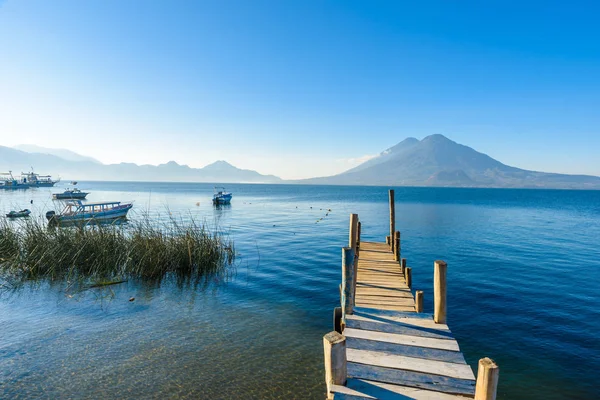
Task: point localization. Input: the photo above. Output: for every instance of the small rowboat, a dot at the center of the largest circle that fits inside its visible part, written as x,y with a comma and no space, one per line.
18,214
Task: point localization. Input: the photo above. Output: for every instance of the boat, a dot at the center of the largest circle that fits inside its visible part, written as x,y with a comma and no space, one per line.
8,182
32,179
221,196
70,194
76,211
18,214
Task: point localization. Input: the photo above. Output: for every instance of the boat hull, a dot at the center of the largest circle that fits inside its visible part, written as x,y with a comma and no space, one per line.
222,199
69,196
115,213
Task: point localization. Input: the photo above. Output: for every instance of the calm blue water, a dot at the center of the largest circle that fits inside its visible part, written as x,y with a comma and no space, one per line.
524,271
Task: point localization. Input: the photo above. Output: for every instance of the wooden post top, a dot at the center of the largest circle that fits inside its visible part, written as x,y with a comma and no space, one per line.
334,337
440,263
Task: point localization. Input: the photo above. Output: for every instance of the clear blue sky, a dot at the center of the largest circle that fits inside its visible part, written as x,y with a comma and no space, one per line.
302,88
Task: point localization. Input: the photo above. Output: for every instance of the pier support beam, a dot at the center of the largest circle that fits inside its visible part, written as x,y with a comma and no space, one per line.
487,380
419,301
409,277
403,265
439,291
348,282
397,246
392,217
336,372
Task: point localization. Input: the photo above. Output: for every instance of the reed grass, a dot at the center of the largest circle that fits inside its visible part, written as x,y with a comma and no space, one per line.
146,250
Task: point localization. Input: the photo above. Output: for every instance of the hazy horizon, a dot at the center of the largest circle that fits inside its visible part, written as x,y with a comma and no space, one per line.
301,89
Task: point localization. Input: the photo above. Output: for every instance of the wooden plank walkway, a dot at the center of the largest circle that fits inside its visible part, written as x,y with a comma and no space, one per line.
383,345
392,351
380,282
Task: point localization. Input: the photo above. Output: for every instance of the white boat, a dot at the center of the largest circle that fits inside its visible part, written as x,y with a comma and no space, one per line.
76,211
70,194
32,179
221,196
8,182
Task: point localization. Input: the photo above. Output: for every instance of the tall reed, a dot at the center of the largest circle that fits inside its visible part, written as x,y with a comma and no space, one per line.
147,250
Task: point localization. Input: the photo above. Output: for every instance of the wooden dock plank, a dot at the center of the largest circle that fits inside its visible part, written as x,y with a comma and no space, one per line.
442,344
426,366
399,328
404,350
364,389
412,379
424,323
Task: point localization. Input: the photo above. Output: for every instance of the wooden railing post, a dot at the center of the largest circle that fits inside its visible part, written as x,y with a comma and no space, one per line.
348,282
397,246
403,265
352,239
409,277
487,380
419,301
392,216
336,372
439,291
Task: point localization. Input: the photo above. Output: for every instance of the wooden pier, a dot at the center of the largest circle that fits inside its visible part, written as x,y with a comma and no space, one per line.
383,345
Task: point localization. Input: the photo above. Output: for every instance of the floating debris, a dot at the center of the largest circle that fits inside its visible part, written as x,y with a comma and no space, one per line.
131,298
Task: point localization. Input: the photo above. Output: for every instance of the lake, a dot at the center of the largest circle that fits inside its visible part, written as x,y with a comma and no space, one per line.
523,289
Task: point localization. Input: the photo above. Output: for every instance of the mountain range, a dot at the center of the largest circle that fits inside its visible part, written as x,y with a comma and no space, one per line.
60,162
439,161
432,161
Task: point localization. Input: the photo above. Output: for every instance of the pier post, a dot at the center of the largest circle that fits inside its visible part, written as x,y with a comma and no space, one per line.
387,240
397,246
403,265
487,380
439,291
336,372
352,239
392,216
348,282
419,301
409,277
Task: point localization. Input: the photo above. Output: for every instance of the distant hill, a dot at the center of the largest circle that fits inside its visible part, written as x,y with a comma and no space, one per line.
62,153
439,161
80,168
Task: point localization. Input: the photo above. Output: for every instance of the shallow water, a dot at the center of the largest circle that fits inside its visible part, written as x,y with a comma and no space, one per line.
524,268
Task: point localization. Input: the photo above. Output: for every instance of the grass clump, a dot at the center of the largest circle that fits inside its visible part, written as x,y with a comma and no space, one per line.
31,250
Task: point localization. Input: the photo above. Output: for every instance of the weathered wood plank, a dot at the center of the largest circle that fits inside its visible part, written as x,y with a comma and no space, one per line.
399,328
400,301
411,379
389,308
391,314
364,389
426,366
432,343
404,350
412,322
382,293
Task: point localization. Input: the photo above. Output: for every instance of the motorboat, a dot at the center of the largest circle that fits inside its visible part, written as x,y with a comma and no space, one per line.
70,194
77,211
32,179
221,196
8,182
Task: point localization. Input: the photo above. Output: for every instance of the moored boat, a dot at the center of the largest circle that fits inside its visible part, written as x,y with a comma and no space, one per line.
18,214
70,194
76,211
32,179
8,182
221,196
